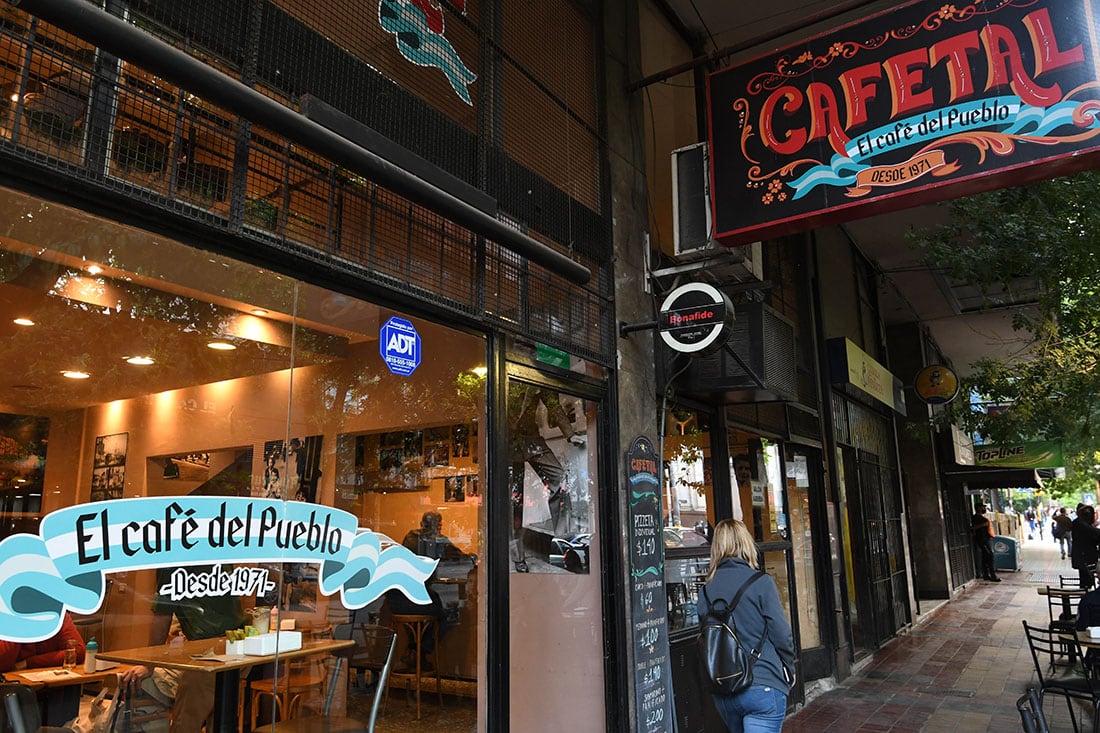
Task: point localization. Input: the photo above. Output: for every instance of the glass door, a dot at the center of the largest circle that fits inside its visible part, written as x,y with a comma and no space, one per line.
555,600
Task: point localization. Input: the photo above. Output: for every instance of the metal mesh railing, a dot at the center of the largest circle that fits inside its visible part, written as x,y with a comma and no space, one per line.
109,125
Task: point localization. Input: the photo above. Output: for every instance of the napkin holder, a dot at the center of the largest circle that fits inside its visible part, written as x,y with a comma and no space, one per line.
267,644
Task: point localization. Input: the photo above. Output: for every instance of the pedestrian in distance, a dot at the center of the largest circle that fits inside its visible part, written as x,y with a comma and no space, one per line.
981,530
1062,531
761,622
1085,550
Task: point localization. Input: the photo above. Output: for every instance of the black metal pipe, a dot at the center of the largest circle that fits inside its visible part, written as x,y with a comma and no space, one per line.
129,42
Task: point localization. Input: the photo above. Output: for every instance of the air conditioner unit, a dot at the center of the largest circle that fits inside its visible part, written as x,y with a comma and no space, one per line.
693,245
758,364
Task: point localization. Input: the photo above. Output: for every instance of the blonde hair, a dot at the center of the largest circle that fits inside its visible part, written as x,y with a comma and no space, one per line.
731,538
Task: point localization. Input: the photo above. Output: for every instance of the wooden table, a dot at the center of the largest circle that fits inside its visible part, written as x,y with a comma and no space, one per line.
59,691
227,669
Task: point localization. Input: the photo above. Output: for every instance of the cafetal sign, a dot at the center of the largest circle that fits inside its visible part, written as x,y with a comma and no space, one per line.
916,104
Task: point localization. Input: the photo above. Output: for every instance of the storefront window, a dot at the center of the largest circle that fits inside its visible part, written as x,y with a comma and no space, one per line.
142,372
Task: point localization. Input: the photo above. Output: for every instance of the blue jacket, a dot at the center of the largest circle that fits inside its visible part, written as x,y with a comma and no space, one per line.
760,601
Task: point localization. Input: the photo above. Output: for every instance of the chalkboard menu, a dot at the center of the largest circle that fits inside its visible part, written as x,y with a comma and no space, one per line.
649,617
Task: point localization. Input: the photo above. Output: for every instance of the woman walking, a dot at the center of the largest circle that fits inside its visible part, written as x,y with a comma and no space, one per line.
758,616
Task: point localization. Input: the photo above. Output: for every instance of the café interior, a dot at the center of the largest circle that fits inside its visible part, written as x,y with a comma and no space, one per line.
136,366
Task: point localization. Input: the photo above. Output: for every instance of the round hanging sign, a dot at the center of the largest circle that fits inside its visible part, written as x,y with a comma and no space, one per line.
936,384
695,319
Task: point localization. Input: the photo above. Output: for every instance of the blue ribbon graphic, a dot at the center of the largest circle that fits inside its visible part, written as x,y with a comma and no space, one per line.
423,46
62,568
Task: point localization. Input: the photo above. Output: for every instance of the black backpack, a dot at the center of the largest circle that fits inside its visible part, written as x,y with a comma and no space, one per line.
727,667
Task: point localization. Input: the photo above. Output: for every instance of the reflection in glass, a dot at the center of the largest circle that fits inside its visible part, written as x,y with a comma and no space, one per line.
548,476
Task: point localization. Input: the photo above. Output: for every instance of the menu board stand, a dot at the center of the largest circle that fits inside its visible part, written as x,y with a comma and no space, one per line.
649,609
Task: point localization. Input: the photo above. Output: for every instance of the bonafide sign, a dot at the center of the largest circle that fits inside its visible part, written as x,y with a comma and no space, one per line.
916,104
695,319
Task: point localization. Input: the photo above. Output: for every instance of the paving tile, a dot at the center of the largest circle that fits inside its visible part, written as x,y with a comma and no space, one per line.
959,671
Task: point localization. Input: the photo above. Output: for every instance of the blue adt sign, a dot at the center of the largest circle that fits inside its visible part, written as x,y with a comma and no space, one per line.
400,346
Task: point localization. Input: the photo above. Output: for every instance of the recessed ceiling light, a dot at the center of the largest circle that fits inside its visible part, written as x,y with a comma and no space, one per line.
93,269
139,360
23,322
75,374
258,312
221,346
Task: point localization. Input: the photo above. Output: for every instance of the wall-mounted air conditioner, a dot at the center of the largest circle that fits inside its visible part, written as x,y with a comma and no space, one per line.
693,244
758,363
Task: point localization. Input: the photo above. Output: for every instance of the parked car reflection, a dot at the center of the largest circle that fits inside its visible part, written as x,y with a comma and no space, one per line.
684,537
571,552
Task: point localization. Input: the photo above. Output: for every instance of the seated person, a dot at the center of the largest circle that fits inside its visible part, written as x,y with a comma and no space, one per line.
428,540
1088,614
49,653
191,693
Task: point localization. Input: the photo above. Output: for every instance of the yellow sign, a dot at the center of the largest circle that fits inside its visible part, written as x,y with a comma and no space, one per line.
936,384
865,374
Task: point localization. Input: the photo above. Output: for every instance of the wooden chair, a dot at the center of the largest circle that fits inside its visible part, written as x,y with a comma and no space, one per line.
288,687
372,642
418,626
340,724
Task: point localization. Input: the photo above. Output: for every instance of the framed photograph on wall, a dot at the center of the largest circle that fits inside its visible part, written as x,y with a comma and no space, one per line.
454,489
292,468
109,466
110,450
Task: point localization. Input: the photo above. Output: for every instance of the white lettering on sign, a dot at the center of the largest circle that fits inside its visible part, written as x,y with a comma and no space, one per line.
401,343
237,582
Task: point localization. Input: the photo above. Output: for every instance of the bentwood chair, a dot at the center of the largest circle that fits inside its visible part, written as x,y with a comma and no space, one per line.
1031,712
1044,642
339,724
418,626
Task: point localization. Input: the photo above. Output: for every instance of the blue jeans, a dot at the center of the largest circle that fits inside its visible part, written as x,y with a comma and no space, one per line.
758,709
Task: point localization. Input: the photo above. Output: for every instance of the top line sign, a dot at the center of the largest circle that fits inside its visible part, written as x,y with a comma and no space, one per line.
913,105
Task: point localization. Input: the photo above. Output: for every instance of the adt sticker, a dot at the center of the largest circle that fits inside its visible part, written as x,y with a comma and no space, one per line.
400,346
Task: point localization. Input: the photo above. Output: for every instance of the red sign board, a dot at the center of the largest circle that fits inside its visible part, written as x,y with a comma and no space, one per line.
921,103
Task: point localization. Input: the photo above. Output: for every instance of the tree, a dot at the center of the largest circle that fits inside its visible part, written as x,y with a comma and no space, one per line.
1045,233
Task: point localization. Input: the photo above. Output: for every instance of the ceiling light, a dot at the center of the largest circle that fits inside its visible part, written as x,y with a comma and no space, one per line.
139,360
75,374
23,322
93,269
258,312
221,346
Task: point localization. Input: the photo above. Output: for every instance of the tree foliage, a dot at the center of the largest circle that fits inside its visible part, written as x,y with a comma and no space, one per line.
1046,233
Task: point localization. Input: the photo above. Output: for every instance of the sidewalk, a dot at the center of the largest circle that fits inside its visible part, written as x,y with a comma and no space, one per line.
959,669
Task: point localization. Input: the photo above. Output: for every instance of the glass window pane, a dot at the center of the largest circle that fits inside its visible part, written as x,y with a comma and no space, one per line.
194,381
